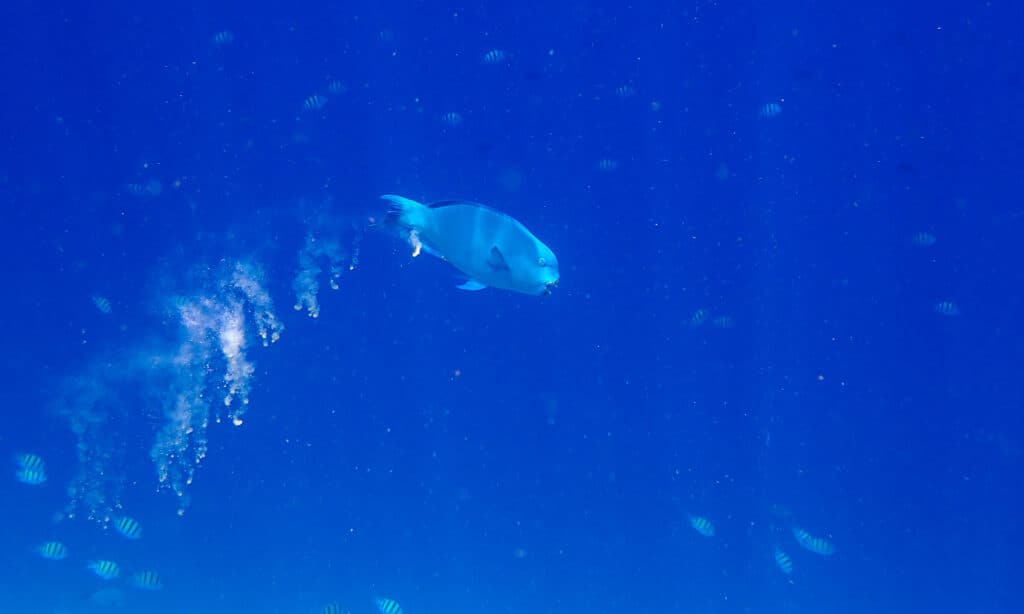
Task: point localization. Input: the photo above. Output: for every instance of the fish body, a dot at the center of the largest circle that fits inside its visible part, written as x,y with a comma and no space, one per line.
108,570
388,606
55,551
492,249
817,545
702,525
128,527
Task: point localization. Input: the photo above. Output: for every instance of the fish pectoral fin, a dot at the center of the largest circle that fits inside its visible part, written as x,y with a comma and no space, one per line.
496,260
471,285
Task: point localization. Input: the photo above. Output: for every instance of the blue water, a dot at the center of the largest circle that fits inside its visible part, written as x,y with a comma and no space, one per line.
471,452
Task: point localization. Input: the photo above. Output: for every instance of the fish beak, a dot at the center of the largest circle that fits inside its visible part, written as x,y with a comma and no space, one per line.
548,286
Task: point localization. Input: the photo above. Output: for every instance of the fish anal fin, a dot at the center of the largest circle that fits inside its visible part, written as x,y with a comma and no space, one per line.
472,285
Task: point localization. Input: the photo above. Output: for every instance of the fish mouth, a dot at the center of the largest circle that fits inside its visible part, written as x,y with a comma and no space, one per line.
548,286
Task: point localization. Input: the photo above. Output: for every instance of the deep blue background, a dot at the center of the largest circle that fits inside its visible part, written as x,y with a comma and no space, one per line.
555,473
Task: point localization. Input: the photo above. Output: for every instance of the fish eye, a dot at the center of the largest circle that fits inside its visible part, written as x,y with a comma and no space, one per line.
541,262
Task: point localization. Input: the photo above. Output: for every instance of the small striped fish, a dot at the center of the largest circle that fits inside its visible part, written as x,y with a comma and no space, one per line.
31,461
34,477
783,561
314,102
452,118
946,308
817,545
333,608
770,109
147,580
129,527
108,570
494,56
702,525
223,38
55,551
388,606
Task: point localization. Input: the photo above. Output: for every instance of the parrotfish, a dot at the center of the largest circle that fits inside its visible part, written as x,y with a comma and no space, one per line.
491,248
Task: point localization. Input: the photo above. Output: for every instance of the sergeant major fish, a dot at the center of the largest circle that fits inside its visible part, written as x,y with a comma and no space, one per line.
489,247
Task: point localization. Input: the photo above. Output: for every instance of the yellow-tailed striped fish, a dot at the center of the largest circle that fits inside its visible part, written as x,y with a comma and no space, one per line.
702,525
783,561
817,545
128,527
33,477
31,461
55,551
333,608
147,580
108,570
388,606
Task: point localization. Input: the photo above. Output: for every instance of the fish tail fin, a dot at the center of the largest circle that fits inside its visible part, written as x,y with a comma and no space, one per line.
405,213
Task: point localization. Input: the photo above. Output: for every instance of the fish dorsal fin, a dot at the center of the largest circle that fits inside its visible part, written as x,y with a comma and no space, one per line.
471,285
496,260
